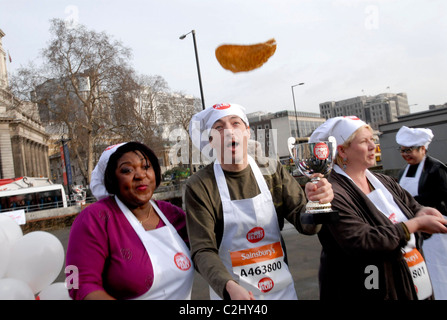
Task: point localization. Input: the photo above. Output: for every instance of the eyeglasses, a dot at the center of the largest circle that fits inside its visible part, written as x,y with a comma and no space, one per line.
407,150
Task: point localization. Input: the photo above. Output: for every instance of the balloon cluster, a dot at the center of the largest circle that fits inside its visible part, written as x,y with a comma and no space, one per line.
29,264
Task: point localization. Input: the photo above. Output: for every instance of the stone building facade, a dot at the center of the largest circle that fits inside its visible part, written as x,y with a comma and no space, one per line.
23,140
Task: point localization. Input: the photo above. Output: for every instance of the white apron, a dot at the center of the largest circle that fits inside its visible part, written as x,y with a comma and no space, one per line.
170,258
411,183
435,248
384,202
251,246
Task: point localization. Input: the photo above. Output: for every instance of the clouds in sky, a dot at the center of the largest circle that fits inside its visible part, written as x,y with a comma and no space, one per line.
339,48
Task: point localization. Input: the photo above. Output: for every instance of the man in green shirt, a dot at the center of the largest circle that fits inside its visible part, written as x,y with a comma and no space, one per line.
236,208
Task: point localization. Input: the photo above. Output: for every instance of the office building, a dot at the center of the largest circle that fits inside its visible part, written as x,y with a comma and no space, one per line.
374,110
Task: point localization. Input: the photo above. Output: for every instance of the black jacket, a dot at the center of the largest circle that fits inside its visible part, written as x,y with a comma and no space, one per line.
432,188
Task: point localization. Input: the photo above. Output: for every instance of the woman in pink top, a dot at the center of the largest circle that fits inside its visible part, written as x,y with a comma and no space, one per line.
115,242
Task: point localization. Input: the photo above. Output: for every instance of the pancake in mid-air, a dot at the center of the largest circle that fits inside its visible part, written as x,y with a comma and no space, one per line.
240,58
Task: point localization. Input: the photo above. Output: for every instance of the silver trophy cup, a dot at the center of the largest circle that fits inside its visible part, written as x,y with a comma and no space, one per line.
311,158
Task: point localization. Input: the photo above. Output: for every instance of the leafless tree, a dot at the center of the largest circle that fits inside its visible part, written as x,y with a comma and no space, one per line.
82,77
143,122
87,92
178,113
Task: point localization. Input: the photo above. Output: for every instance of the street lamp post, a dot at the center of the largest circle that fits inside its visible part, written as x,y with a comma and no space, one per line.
197,62
294,106
66,164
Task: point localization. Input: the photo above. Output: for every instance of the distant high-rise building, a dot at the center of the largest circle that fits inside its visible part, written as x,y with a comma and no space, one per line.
374,110
284,125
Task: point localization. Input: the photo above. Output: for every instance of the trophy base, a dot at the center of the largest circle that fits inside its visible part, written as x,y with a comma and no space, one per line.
316,207
320,217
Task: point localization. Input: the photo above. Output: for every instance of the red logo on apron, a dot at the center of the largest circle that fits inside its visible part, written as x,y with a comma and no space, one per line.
256,234
393,218
221,106
265,284
182,261
321,151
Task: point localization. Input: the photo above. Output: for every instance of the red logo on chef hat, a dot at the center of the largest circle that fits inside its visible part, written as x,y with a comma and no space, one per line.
182,261
256,234
351,117
221,106
265,284
321,151
111,147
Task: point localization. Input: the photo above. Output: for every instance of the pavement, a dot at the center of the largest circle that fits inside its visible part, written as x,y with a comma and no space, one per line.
303,255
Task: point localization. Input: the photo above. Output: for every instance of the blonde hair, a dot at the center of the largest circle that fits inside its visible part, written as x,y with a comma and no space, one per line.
347,143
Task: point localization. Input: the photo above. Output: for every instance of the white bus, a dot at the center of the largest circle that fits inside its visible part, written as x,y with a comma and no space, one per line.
33,198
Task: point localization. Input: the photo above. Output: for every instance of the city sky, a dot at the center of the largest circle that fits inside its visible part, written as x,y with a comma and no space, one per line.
338,48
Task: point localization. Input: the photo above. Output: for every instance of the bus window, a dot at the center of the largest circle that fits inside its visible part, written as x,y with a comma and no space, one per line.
33,198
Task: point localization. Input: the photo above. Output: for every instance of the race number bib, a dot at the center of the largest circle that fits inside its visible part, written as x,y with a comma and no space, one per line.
261,267
419,272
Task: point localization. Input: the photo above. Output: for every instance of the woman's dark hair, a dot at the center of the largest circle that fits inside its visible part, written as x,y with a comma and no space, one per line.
110,180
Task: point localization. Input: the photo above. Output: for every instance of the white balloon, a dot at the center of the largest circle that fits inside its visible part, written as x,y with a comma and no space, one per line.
4,253
37,259
10,232
11,228
55,291
14,289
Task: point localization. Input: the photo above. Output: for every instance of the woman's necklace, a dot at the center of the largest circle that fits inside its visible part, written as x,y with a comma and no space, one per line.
147,218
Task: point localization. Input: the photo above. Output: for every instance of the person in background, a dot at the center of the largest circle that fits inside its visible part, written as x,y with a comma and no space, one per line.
374,251
236,208
425,178
126,245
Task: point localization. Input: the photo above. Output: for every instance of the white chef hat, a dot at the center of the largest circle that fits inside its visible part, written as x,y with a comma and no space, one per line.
97,180
409,137
341,128
204,120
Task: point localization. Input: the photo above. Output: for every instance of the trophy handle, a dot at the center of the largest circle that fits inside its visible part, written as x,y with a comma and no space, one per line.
332,140
290,142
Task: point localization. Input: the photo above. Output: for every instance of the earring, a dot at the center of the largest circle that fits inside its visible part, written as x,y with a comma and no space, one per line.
344,163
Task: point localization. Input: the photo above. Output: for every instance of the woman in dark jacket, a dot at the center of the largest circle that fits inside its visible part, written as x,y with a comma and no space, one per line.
374,250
